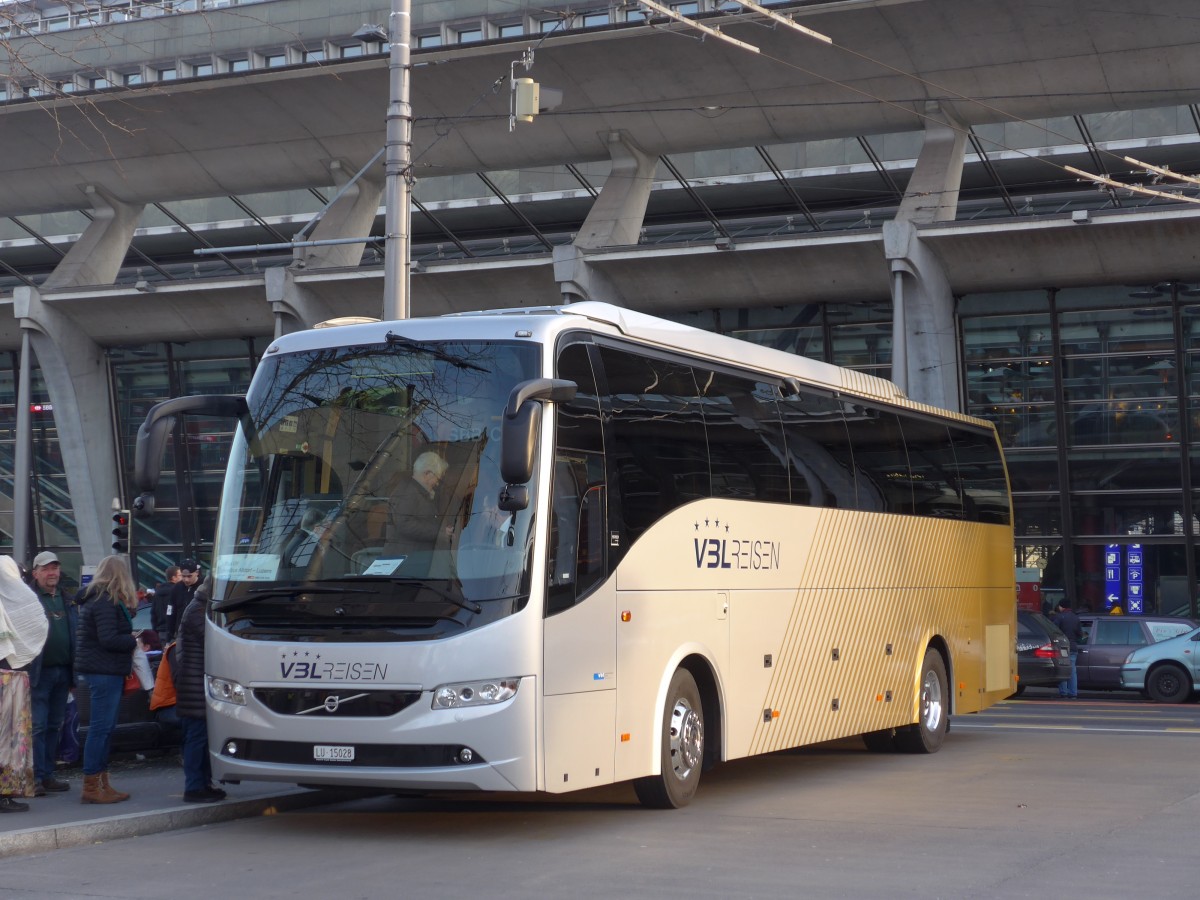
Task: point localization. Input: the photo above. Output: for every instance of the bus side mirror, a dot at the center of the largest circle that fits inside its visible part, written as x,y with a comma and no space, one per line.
152,438
522,423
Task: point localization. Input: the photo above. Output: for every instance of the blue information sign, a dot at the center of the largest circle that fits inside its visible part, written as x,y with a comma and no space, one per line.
1134,596
1114,583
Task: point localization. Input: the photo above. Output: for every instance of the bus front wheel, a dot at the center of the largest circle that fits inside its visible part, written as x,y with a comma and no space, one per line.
681,748
927,735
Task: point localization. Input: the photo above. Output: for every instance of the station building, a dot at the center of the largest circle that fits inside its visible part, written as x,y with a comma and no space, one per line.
991,204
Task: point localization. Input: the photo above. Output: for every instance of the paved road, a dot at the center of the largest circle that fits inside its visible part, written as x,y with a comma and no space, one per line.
1035,798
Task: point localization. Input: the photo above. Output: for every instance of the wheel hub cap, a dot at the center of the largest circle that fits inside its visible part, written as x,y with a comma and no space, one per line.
931,702
687,739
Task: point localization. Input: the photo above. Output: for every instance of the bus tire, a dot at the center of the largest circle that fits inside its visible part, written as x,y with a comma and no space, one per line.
681,748
927,734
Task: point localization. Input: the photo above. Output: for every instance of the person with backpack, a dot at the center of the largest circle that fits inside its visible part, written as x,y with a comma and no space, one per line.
190,702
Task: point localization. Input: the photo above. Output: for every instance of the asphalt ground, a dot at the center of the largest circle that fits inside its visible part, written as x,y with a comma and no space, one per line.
154,781
155,785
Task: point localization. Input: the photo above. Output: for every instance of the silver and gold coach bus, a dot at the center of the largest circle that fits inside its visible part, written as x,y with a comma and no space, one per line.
549,549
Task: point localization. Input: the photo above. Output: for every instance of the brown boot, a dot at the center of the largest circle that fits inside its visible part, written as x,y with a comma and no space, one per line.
93,791
109,790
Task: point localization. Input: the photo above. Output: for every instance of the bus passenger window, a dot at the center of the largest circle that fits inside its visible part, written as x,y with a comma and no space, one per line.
748,457
818,451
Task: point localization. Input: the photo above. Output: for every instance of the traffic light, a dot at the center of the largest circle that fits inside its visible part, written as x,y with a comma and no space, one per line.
120,531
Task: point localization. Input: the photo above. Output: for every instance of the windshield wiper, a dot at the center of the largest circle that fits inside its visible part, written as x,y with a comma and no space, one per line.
392,338
286,590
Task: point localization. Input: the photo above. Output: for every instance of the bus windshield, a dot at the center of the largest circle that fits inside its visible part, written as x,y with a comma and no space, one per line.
374,470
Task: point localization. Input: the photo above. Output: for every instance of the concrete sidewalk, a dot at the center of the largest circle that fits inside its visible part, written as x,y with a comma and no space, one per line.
155,786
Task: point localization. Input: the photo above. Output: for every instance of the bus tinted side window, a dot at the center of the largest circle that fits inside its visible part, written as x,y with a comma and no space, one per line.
934,472
880,461
659,453
577,546
747,454
818,449
981,476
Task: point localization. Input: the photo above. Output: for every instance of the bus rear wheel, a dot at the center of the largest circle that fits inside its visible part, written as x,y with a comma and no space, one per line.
681,748
927,734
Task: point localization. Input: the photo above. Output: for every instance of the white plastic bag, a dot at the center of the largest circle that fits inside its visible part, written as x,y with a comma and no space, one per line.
141,668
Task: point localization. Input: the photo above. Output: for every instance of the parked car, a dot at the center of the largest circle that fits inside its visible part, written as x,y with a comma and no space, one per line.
137,727
1108,640
1168,671
1043,656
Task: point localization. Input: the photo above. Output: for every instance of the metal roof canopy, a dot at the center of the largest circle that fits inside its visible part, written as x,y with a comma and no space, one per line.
667,90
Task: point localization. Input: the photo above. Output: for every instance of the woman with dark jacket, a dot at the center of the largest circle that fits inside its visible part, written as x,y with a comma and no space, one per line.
191,704
103,657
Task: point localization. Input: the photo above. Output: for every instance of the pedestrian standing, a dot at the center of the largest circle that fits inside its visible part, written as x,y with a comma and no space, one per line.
104,659
51,676
191,704
23,629
1068,622
162,599
179,597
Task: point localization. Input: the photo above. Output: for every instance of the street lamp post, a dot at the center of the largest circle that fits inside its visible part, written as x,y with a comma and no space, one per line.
397,166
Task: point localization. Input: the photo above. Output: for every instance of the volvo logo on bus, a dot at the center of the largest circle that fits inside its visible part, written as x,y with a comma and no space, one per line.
331,703
732,549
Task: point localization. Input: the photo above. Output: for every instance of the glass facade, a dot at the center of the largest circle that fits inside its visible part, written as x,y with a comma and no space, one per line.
1083,385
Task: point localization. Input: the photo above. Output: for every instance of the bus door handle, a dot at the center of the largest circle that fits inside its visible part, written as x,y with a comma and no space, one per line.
722,605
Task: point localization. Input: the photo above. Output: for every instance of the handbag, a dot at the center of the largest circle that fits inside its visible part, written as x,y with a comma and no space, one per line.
132,683
141,675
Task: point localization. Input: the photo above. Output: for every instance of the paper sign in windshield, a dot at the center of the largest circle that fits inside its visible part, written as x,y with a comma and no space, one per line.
384,566
248,566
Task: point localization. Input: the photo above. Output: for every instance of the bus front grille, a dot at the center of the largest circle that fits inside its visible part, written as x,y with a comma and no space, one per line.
335,702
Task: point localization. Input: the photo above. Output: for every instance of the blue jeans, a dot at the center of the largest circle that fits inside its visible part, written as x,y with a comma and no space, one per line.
197,767
1070,687
48,698
105,692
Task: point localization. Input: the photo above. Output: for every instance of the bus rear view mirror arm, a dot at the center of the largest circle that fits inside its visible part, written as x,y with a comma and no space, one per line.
522,421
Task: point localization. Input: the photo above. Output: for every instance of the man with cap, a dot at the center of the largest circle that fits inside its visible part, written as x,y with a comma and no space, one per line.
50,675
180,597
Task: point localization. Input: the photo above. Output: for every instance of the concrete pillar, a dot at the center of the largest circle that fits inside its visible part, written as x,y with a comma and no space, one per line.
351,215
614,220
76,375
97,256
295,307
932,193
925,356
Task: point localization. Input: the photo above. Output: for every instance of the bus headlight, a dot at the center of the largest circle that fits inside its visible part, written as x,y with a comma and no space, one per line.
475,693
225,691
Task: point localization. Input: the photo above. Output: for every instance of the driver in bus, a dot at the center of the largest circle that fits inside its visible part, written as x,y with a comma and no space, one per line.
418,523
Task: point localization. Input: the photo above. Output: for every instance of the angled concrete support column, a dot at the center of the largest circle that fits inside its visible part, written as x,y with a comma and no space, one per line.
925,356
932,194
614,220
97,256
76,375
350,216
295,307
